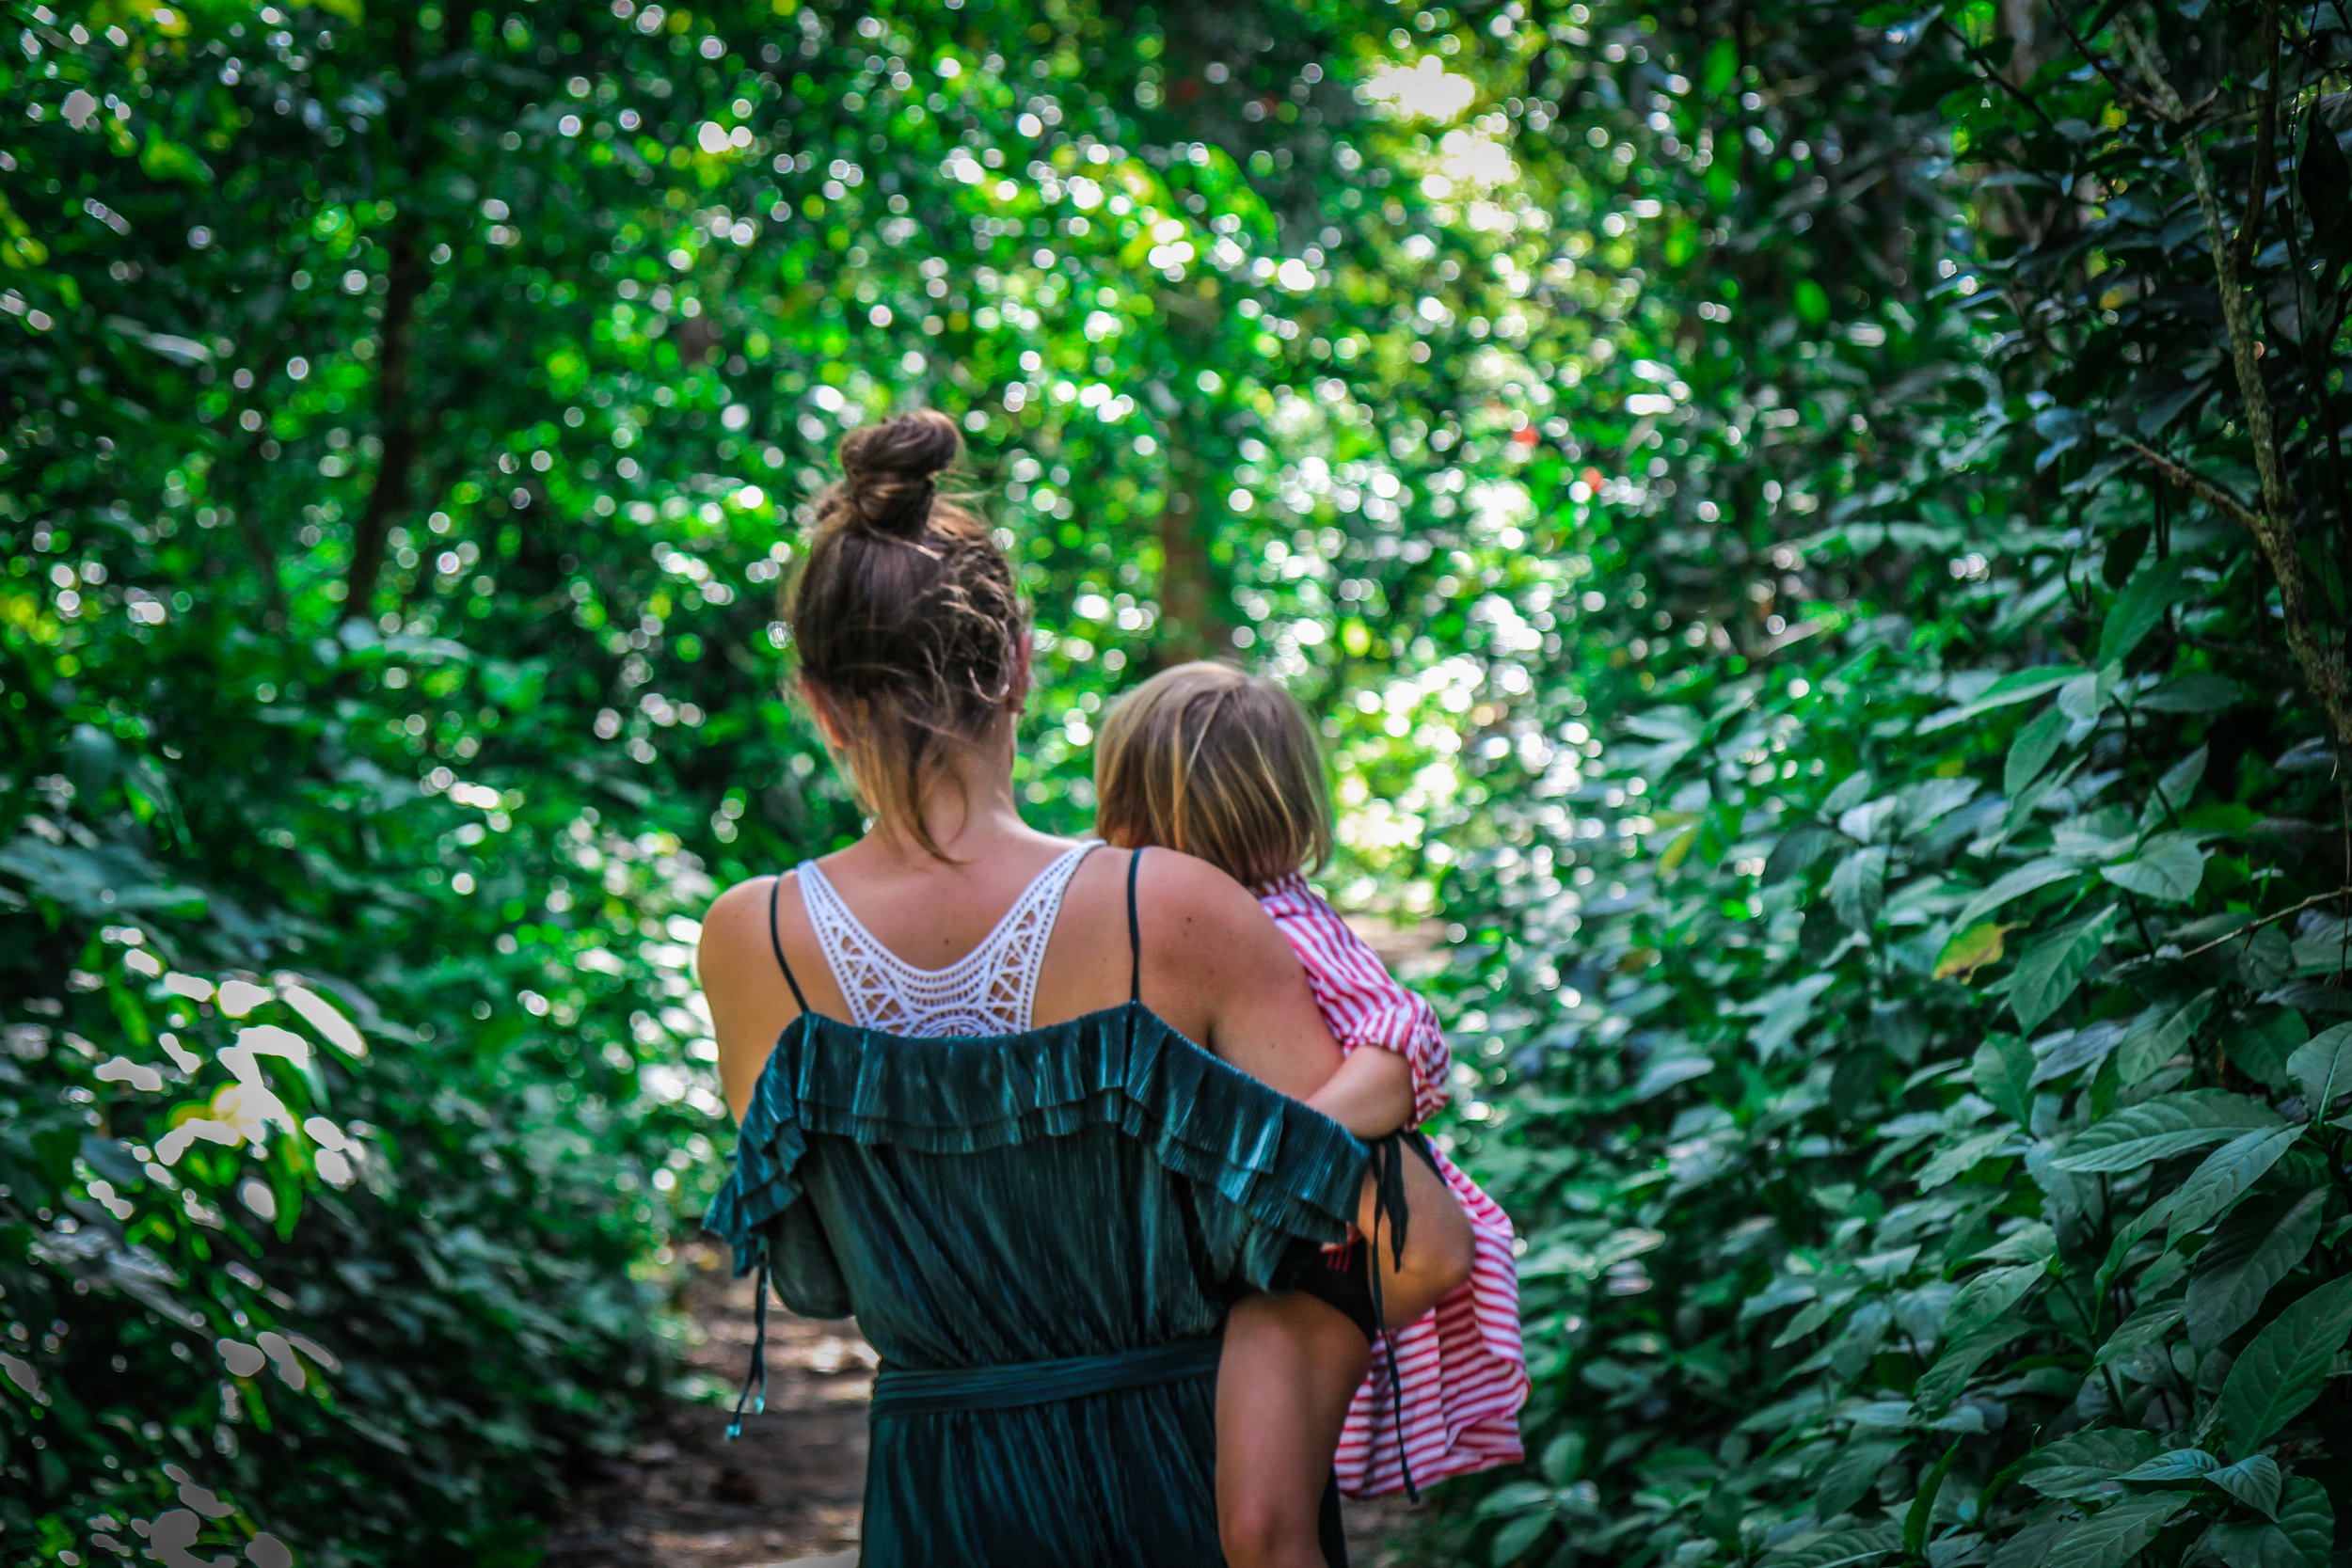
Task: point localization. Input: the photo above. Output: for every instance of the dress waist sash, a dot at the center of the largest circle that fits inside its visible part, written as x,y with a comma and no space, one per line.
921,1391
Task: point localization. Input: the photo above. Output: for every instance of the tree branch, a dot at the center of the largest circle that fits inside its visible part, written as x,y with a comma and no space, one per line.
2273,524
2270,919
2199,485
2265,140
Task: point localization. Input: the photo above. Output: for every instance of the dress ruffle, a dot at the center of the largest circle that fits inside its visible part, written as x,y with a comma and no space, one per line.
1283,1174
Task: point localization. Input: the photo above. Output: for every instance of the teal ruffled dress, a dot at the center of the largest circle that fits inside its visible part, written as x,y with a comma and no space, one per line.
1041,1233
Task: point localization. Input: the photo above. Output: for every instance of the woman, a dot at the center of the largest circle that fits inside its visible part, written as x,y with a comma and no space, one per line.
973,1112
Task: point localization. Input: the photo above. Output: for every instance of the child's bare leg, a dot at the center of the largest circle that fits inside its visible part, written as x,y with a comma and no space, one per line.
1290,1366
1437,1244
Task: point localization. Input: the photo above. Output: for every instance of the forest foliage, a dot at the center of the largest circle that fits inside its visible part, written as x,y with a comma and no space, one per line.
1818,536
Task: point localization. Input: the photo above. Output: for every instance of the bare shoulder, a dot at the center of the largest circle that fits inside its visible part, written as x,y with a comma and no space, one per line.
1205,921
735,928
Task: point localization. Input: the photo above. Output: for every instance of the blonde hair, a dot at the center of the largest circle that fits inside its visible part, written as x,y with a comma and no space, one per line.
1215,762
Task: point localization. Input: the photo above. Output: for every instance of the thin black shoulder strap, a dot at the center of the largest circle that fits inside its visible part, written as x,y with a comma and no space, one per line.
1135,932
775,940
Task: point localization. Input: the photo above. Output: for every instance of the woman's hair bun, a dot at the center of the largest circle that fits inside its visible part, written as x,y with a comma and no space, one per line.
887,469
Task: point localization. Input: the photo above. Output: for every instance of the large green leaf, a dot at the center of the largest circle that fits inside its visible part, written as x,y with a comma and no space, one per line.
2151,1323
2248,1255
2179,1464
1950,1377
1858,885
2253,1480
2118,1532
1988,1297
2307,1517
2014,884
1849,1473
2160,1128
2140,607
2226,1175
2280,1373
1839,1549
2050,969
2087,1463
2158,1035
2322,1068
2167,868
2003,1072
2021,687
2032,752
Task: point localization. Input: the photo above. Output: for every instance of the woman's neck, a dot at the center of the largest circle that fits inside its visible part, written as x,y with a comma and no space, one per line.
968,809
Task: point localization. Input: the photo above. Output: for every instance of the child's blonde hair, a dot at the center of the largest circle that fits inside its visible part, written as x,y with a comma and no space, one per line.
1215,762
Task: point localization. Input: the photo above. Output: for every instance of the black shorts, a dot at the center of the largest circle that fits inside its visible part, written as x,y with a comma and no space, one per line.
1344,1283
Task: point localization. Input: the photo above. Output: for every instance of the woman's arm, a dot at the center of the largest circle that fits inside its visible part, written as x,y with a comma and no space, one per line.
749,1000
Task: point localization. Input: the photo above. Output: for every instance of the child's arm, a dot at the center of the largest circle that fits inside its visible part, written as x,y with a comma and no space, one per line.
1372,1094
1368,1008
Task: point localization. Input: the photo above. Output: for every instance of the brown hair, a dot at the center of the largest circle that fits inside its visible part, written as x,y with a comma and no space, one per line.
1216,763
904,614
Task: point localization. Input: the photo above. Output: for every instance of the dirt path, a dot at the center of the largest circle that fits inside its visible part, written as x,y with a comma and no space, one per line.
786,1492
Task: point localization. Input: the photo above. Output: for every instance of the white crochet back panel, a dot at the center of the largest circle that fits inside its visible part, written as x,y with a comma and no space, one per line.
989,990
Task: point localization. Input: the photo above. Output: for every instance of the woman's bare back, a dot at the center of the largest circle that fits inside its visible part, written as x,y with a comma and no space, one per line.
1213,965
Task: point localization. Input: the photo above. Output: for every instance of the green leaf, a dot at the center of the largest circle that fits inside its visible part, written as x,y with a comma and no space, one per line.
2015,884
2179,1464
2140,607
2032,752
2169,868
1513,1540
2254,1544
2022,686
1838,1549
2150,1323
1957,1159
2087,1462
1723,67
2003,1074
1796,851
2117,1533
2281,1371
2157,1129
2158,1035
2309,1520
1923,1507
1989,1297
2225,1177
2253,1480
2029,1546
1945,1380
1849,1473
1515,1497
2191,694
2322,1068
2050,970
2249,1254
2174,791
2263,1045
1857,886
1811,300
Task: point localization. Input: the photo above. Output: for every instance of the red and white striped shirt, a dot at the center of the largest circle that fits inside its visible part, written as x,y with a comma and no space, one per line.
1462,1367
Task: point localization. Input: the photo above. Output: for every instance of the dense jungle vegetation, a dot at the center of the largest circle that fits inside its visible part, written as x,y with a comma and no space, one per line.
1818,533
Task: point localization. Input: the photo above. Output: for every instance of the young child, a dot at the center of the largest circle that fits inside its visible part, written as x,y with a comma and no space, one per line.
1206,759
